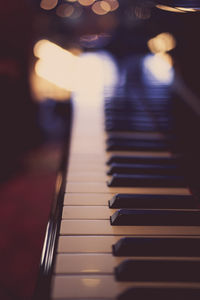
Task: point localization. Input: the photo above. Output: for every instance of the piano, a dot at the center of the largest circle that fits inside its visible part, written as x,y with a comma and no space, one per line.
124,218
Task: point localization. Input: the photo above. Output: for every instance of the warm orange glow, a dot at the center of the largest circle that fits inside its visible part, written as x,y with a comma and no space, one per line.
75,50
168,8
114,4
43,89
57,72
188,9
162,43
90,282
101,7
48,4
65,10
55,64
86,2
166,57
160,66
105,6
89,74
46,50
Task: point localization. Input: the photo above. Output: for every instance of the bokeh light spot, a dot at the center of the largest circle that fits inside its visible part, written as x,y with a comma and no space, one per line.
65,10
86,2
101,7
48,4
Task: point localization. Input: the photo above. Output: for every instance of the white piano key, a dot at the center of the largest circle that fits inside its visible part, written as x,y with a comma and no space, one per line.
85,148
96,244
100,187
99,263
88,144
86,158
85,167
81,156
103,227
86,287
80,135
86,263
87,199
87,212
92,212
86,244
87,176
100,286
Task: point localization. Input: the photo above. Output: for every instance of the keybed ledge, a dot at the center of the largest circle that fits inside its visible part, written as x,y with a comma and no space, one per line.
101,187
103,227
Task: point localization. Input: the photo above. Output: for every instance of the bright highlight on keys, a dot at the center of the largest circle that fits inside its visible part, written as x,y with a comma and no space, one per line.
55,64
89,72
162,43
160,67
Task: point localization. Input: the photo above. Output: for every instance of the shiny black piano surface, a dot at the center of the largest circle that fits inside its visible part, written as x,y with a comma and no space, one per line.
35,130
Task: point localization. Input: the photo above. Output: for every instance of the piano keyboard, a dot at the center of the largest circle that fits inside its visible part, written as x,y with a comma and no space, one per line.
129,227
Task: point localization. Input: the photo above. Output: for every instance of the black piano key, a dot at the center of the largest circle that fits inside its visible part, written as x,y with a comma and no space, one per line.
124,105
134,107
134,118
148,293
143,169
142,127
138,116
114,138
142,160
139,217
138,180
151,201
143,138
112,110
131,114
142,246
140,137
135,128
141,100
158,270
157,94
133,123
111,119
122,145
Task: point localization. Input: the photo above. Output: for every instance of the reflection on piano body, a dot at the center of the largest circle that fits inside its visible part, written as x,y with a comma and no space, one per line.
126,222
